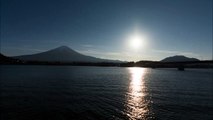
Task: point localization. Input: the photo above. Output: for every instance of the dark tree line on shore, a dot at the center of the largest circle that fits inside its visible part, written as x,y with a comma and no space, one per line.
150,64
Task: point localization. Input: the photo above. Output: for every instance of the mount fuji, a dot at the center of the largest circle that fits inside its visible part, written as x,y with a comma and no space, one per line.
62,54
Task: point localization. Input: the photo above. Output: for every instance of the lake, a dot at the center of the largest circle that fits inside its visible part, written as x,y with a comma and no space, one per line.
105,93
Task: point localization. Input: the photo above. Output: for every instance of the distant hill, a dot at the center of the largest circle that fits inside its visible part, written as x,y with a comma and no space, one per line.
179,58
62,54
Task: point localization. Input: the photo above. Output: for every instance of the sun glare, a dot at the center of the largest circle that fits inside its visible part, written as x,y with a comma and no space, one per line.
136,41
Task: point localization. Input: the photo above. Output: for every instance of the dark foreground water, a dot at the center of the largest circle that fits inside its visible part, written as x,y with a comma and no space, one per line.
108,93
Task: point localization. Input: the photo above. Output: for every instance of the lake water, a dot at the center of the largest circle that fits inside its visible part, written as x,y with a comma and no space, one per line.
105,93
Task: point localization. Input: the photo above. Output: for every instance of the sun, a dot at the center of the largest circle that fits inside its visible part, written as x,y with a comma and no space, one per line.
136,41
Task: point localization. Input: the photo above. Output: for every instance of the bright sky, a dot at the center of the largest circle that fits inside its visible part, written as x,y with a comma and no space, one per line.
116,29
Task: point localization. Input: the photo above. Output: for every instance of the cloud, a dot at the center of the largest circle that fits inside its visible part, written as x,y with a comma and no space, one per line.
87,45
166,51
98,52
190,54
89,52
124,55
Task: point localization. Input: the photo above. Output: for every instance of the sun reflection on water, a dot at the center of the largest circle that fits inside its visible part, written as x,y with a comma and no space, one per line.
137,106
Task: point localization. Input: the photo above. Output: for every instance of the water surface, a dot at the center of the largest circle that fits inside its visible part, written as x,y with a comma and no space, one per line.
95,93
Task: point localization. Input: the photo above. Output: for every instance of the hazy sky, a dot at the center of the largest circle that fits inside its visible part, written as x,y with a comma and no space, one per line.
103,28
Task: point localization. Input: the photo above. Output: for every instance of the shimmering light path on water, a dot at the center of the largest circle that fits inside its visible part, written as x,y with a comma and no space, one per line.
136,103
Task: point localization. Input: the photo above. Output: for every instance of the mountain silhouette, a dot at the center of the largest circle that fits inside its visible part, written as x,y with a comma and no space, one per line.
179,58
62,54
4,58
